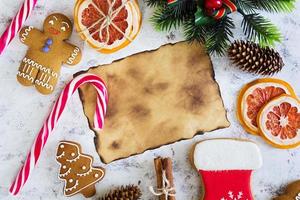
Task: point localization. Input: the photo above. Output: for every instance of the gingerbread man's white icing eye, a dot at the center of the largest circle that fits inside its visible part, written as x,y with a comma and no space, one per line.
51,22
64,27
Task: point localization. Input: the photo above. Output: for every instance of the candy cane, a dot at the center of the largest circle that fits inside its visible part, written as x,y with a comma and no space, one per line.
49,124
16,24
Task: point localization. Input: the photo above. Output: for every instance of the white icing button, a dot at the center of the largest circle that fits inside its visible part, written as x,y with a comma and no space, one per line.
71,180
96,175
72,154
64,167
83,167
62,146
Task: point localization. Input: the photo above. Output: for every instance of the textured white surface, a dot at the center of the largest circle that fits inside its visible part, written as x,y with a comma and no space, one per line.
225,154
23,110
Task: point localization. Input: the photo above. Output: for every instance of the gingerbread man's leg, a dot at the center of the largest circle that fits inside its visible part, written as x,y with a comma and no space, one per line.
46,80
28,70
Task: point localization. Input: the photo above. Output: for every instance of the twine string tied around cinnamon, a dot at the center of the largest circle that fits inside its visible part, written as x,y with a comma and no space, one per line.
166,190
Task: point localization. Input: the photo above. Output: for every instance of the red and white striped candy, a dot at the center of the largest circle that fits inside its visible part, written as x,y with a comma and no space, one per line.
16,24
49,124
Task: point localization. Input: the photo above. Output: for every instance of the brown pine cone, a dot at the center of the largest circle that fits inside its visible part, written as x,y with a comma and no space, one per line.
129,192
250,57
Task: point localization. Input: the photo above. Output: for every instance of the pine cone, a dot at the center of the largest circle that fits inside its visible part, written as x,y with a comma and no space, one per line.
129,192
250,57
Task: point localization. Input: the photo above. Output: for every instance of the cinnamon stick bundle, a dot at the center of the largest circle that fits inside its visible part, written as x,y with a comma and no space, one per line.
164,165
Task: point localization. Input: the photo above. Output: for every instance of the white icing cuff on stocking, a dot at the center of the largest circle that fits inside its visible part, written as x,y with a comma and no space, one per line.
227,154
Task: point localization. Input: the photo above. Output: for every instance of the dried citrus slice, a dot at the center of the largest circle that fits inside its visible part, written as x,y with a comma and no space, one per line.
136,15
279,122
107,25
254,96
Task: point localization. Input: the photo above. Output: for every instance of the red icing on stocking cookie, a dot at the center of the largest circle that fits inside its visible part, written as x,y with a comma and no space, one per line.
225,166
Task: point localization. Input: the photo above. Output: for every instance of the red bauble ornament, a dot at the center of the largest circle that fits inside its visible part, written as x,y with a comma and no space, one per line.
213,4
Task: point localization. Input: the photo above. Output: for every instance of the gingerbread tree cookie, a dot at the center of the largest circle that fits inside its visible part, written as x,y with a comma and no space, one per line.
48,51
76,170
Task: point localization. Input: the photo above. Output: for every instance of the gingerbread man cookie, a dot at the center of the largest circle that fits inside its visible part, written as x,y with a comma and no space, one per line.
225,166
76,170
292,192
48,50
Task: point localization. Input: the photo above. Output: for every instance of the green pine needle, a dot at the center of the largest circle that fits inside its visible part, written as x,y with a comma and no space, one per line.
166,17
250,6
218,36
246,6
259,29
155,3
274,5
193,32
184,8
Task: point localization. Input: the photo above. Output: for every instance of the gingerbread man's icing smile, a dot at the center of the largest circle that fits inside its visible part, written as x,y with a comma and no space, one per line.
53,31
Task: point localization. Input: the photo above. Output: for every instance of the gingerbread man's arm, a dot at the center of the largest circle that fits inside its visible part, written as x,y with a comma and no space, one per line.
28,34
72,54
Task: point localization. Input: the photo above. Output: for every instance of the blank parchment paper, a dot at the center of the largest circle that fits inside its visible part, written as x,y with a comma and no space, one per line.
155,98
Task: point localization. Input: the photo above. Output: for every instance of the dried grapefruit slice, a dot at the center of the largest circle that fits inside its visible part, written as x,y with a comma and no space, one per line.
279,122
254,96
136,15
107,25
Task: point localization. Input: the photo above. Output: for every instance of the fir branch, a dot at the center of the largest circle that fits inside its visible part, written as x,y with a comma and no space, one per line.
274,5
257,28
185,7
218,36
155,3
246,6
166,17
193,32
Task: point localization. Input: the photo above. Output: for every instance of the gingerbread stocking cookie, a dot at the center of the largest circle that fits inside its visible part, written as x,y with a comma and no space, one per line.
76,170
225,166
48,51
